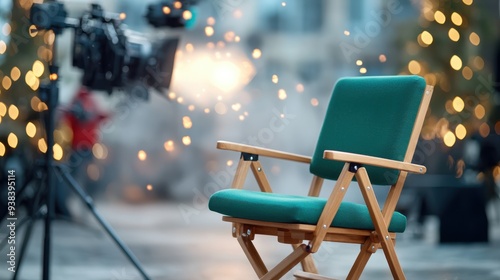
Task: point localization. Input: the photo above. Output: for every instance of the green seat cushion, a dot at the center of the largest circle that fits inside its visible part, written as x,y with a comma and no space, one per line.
280,208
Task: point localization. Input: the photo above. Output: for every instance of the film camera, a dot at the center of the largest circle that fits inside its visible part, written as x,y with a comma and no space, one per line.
112,56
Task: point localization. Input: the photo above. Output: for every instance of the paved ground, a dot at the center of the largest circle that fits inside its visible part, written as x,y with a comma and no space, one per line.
184,242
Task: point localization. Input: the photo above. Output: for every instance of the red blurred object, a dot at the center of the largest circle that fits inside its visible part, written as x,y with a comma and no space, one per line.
84,118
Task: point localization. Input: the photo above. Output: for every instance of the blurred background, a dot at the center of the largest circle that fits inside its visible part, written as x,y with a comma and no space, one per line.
261,73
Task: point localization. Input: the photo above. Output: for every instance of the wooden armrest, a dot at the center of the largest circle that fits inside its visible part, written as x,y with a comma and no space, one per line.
224,145
375,161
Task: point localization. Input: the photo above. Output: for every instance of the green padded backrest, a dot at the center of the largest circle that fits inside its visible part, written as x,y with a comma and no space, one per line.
371,116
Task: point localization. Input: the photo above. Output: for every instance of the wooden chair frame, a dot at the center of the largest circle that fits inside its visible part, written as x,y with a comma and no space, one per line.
244,230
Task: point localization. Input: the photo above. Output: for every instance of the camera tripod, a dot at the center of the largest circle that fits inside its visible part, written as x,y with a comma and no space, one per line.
48,170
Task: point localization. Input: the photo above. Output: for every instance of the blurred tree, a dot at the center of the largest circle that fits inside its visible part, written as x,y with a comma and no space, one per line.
451,47
24,66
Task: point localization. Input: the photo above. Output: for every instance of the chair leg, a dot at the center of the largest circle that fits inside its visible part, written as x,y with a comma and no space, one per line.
360,263
379,223
307,263
288,263
252,255
392,259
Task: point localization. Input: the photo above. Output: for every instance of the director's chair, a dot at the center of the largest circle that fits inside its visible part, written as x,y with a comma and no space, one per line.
369,134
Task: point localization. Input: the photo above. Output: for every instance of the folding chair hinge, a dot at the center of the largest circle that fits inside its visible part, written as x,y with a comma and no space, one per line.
354,167
372,247
249,157
248,232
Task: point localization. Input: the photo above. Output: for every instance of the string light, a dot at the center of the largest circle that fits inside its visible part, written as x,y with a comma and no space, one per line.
382,58
142,155
186,140
479,111
453,34
38,68
474,39
3,47
12,140
256,53
484,130
282,94
209,31
30,129
13,112
461,131
58,152
15,73
478,62
236,107
414,67
42,145
186,122
426,38
458,104
456,62
449,139
467,73
6,82
99,151
299,88
169,145
456,18
439,17
2,149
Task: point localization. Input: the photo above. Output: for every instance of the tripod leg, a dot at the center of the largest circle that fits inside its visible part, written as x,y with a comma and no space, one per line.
26,239
33,216
90,204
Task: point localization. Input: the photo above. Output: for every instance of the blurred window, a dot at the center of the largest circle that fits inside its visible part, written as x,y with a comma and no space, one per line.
297,16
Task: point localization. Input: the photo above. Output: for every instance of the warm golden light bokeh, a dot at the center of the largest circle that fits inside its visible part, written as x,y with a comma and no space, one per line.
439,17
142,155
414,67
186,122
458,104
453,34
12,140
461,131
186,140
449,139
426,38
456,62
169,145
474,38
58,152
282,94
30,129
456,18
